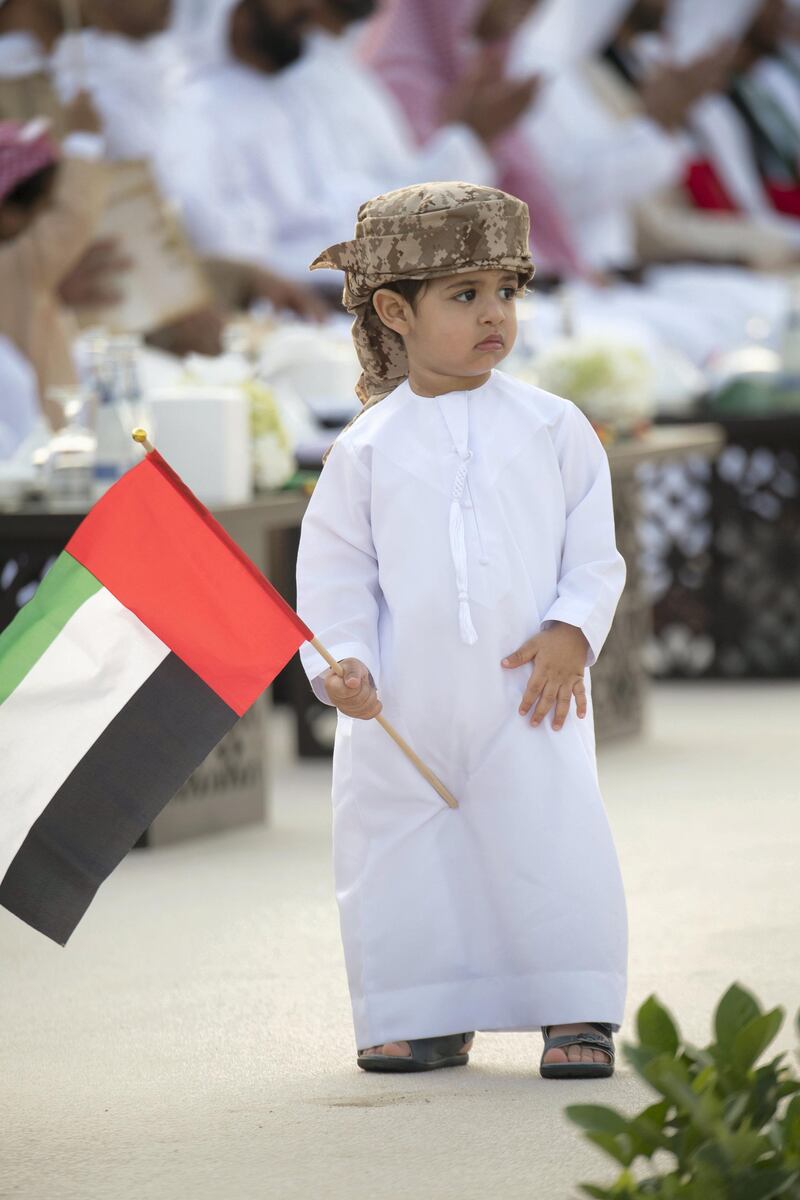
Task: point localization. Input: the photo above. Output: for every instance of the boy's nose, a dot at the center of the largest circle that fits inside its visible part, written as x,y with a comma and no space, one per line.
493,314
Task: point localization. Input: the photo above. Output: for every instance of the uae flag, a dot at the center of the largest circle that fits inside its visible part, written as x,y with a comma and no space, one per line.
146,641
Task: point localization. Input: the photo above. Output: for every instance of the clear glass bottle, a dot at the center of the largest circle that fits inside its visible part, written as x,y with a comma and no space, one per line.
69,461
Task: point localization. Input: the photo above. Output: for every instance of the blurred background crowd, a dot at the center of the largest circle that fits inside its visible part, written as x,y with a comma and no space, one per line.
170,168
657,143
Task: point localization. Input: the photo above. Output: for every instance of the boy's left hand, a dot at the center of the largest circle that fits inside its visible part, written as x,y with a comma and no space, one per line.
558,655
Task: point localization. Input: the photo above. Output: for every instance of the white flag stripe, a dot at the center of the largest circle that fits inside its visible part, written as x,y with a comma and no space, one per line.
100,658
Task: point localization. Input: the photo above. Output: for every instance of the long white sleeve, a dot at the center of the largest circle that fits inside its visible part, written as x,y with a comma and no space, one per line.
337,570
593,571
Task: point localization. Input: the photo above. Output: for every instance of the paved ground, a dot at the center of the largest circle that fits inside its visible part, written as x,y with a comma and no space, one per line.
194,1040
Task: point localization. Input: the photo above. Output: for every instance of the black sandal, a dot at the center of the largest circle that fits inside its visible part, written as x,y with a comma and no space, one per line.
601,1040
427,1054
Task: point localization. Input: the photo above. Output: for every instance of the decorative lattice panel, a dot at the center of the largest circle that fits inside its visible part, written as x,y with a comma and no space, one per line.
21,571
720,557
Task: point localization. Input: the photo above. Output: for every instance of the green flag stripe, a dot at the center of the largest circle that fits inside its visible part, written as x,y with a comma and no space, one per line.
63,590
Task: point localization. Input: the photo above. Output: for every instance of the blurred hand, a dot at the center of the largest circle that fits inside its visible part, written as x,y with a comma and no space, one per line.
90,283
670,93
485,101
298,298
81,116
198,333
354,693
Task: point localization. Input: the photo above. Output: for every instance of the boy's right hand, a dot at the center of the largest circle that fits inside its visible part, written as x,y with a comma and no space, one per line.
353,693
81,116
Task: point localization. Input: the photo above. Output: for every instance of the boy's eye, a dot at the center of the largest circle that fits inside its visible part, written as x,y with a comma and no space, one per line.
509,292
469,294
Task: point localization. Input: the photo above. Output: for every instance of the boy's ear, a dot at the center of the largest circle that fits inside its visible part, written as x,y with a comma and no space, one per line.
392,309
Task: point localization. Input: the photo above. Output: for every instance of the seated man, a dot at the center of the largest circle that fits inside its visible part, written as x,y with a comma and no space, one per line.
269,150
131,63
50,204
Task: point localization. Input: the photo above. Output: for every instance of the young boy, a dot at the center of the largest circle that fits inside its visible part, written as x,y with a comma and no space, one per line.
458,559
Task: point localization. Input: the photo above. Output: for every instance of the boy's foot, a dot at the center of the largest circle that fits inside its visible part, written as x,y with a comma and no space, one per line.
559,1054
575,1053
401,1049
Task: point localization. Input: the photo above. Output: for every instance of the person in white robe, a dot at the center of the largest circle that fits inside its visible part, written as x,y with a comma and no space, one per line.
668,226
461,515
718,128
128,64
778,70
702,310
268,155
620,153
766,92
355,137
228,151
601,166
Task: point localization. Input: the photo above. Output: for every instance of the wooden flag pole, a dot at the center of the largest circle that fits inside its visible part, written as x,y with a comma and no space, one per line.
424,770
140,436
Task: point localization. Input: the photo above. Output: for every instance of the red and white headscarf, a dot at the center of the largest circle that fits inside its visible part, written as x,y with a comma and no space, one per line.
25,148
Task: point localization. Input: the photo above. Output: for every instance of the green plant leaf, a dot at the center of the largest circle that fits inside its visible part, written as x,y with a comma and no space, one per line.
713,1155
791,1126
735,1010
696,1056
648,1129
597,1118
656,1027
762,1185
617,1146
704,1079
752,1040
599,1193
671,1078
639,1056
734,1108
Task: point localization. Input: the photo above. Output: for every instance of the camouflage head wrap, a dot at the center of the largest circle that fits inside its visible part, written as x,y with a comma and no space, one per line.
422,232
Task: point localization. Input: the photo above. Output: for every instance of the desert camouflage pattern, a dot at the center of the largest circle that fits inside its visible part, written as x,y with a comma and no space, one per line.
421,232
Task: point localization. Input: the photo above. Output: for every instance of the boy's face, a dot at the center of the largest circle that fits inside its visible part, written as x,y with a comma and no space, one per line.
460,326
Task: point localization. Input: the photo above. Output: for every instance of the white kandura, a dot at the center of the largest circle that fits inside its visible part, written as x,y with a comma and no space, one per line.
507,912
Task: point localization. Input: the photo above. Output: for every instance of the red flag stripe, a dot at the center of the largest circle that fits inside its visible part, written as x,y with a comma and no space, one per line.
154,546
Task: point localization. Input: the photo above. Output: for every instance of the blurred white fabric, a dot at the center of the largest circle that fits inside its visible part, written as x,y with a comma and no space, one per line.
562,33
356,138
272,168
601,165
20,55
19,402
694,27
129,81
200,31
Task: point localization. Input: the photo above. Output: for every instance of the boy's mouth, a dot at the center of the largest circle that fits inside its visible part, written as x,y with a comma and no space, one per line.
493,342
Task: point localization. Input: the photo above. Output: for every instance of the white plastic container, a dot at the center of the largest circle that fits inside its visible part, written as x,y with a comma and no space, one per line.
204,434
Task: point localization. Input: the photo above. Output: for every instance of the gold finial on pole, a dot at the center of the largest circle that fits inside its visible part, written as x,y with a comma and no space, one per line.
140,436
